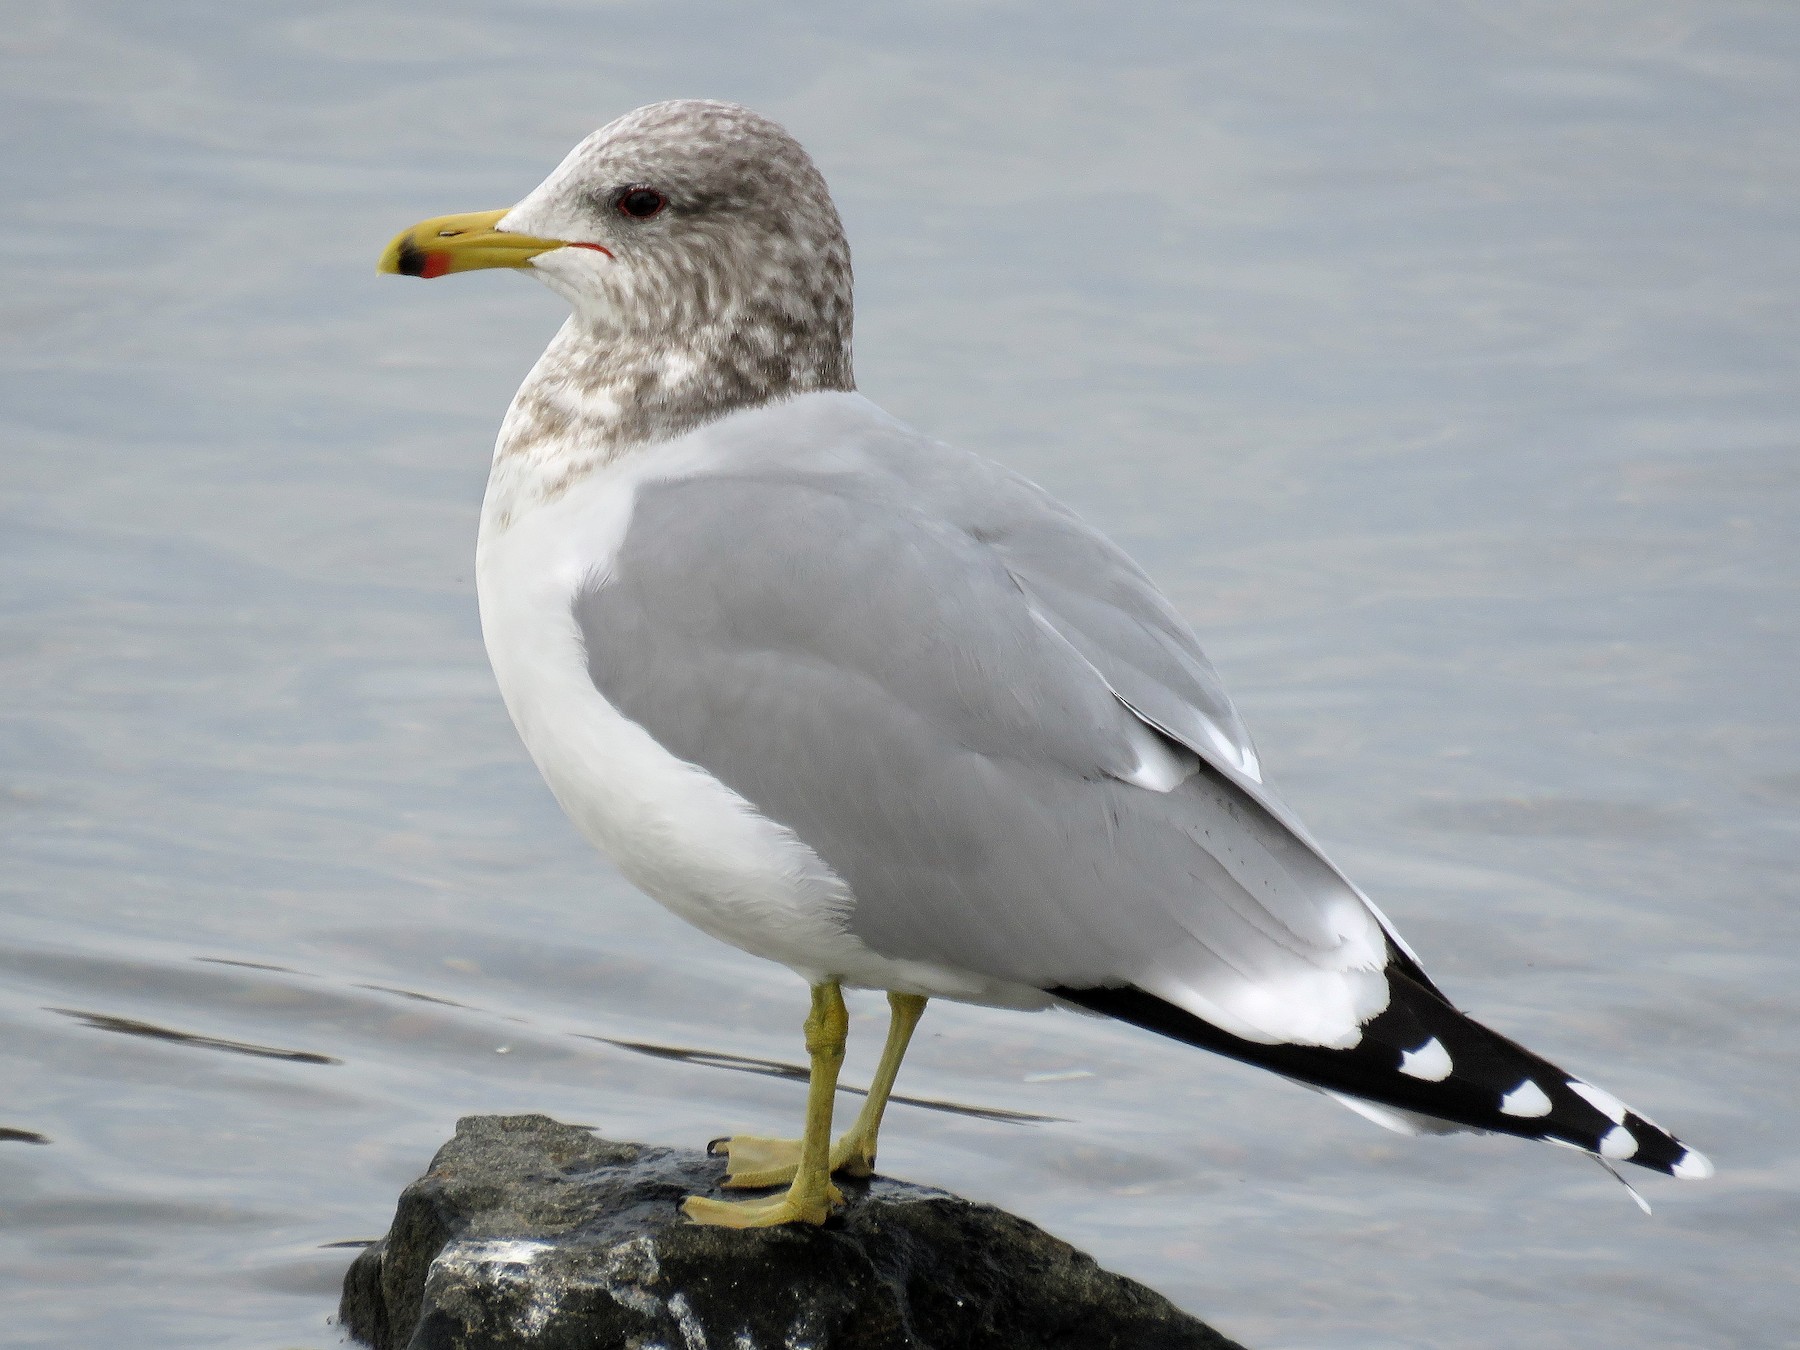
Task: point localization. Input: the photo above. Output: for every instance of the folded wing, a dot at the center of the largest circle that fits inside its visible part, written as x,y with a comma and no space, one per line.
990,724
921,689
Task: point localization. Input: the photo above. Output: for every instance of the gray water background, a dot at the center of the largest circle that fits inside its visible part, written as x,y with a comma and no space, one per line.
1438,358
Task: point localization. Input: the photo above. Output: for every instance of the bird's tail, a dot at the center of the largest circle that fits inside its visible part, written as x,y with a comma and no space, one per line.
1422,1066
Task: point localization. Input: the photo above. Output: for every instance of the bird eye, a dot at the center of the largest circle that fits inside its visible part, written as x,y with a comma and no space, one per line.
640,203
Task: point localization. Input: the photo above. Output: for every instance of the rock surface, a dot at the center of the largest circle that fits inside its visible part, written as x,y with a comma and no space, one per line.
527,1232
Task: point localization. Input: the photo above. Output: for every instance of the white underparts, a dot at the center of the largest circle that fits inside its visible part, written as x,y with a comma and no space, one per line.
672,828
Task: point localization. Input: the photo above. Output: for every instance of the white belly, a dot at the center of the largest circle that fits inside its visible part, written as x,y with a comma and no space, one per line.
673,829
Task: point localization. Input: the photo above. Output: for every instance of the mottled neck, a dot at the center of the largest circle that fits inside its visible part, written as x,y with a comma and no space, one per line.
594,398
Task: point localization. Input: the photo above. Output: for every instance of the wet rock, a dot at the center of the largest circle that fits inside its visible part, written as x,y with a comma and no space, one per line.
527,1232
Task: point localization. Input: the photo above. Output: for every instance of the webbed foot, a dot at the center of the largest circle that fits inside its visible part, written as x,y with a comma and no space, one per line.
754,1161
768,1211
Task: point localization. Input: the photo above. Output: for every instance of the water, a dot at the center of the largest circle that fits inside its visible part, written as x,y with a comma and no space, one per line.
1438,359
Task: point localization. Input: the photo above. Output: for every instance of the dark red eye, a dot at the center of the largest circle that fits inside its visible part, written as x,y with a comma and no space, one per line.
640,203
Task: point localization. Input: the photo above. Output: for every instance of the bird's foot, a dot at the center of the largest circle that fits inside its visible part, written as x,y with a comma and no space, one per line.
769,1211
753,1161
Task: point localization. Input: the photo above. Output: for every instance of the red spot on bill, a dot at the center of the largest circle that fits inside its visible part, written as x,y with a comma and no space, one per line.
436,264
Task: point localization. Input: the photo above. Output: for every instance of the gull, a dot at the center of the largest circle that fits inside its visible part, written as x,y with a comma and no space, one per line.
883,711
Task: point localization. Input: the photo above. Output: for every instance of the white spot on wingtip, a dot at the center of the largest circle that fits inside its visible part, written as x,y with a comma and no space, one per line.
1618,1143
1430,1062
1694,1166
1527,1099
1600,1099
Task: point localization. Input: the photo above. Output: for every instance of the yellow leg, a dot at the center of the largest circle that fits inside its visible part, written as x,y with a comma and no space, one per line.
810,1197
854,1154
756,1162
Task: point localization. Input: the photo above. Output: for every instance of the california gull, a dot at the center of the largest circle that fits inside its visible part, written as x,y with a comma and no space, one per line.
859,702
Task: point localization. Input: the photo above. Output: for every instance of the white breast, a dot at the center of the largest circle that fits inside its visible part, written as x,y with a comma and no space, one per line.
673,829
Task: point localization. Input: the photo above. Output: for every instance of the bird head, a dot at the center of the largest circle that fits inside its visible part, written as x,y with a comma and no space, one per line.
690,227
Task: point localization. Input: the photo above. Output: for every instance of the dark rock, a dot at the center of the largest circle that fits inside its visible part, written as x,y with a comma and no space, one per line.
527,1232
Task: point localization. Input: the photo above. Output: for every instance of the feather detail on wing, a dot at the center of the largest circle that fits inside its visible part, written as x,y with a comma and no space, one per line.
1422,1067
1092,595
987,722
876,648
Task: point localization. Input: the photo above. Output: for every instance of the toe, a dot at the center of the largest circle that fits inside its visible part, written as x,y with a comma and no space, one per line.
770,1212
753,1161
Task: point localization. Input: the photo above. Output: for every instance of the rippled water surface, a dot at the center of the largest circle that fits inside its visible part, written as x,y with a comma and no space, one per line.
1437,358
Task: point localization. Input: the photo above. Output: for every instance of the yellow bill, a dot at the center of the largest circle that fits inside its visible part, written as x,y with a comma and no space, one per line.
464,243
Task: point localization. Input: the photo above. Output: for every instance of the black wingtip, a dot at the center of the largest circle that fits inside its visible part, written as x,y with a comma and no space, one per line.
1424,1056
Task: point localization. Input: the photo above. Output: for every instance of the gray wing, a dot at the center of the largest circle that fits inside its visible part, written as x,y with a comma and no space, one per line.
985,719
1099,600
1104,604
